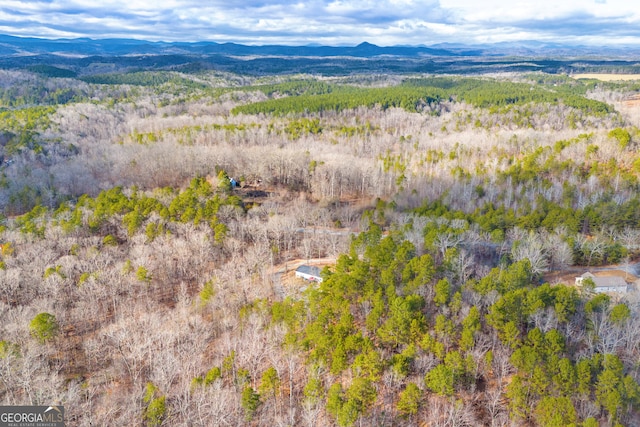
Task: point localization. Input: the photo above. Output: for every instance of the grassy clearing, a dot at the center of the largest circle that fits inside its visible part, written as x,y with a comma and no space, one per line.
607,77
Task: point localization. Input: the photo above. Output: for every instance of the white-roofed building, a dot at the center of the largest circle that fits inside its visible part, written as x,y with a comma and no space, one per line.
604,284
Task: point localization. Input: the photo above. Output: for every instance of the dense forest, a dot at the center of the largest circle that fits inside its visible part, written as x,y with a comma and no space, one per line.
152,220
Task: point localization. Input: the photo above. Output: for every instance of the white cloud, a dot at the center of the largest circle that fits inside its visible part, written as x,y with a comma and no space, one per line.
383,22
507,11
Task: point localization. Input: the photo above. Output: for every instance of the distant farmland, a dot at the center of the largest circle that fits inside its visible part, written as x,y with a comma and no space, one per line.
607,77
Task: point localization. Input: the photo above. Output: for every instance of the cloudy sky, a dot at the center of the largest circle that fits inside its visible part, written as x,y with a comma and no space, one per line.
329,22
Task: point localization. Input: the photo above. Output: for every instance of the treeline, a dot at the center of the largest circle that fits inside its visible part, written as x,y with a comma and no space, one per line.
51,71
418,94
19,97
292,88
141,78
485,93
161,81
346,98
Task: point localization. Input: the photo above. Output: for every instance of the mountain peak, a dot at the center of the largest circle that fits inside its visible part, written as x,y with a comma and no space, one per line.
366,45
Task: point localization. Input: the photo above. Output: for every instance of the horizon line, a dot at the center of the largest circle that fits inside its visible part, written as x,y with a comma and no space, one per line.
452,44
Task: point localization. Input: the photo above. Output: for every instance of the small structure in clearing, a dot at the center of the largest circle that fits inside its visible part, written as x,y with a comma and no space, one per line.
309,272
604,284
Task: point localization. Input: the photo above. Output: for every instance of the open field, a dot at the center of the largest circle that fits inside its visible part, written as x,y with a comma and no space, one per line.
607,77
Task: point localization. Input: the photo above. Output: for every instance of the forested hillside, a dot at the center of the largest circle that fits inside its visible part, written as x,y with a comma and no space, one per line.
140,286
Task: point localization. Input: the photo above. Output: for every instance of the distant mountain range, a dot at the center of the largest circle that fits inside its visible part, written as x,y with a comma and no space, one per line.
82,57
18,46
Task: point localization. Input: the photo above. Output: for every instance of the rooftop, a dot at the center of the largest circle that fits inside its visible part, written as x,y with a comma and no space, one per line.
309,269
608,281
